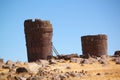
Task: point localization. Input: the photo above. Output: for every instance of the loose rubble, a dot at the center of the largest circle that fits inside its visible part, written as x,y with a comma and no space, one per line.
46,70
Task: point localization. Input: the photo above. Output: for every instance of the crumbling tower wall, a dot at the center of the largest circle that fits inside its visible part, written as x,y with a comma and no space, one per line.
38,36
94,45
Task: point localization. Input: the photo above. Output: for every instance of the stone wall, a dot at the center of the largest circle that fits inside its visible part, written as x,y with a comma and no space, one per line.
38,36
94,45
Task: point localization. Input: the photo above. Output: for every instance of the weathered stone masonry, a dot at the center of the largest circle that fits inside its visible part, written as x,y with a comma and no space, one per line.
94,45
38,36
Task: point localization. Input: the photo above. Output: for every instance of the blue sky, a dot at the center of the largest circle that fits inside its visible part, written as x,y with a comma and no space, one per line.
71,19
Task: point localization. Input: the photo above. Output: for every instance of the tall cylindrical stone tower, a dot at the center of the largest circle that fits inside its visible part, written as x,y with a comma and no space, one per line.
38,36
94,45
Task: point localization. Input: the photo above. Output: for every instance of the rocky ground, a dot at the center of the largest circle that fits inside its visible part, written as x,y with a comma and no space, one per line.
99,68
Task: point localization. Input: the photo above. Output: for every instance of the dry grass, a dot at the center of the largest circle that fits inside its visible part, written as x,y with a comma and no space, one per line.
111,71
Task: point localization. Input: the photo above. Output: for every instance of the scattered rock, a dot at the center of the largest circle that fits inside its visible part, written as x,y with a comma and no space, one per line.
85,61
61,60
34,78
72,74
117,60
92,60
19,78
23,78
52,62
56,70
103,61
62,76
55,77
6,66
104,57
97,58
76,60
12,71
41,70
33,67
9,62
42,62
98,74
83,72
68,67
117,53
21,70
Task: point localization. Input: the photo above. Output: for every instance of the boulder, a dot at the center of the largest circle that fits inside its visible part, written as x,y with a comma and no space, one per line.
117,60
117,53
9,62
92,60
33,67
19,78
21,70
98,74
104,57
76,60
42,62
103,61
7,66
85,61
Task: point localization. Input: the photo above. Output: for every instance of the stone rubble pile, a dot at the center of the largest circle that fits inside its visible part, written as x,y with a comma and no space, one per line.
90,60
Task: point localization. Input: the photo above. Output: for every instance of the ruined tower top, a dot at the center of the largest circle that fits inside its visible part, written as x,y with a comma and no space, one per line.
99,36
37,23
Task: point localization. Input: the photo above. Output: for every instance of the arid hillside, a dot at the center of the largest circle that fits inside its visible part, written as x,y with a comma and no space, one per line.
99,68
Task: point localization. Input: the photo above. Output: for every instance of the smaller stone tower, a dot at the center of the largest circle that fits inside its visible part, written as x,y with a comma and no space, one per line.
94,45
38,36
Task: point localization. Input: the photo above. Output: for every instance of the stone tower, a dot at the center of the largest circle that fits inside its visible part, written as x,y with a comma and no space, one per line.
94,45
38,36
